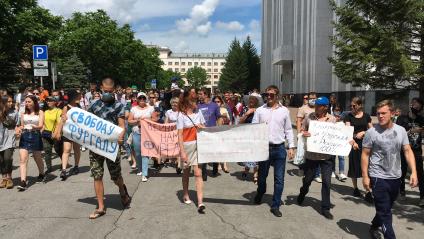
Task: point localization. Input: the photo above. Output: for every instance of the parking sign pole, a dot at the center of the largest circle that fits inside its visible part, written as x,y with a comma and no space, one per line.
41,81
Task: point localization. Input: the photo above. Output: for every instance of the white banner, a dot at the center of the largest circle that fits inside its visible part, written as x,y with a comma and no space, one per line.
92,132
329,138
241,143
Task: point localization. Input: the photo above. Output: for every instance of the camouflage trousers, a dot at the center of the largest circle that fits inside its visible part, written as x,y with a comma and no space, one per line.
97,167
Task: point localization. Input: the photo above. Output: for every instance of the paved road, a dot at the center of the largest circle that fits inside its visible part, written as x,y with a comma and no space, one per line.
60,210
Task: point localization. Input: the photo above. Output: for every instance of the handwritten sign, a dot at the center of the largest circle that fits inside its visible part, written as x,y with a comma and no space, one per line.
96,134
241,143
159,140
329,138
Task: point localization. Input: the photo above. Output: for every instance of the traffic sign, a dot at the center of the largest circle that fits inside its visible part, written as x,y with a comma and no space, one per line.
40,52
153,84
41,72
41,64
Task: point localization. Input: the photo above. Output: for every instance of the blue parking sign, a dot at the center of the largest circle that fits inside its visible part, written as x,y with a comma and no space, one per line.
39,52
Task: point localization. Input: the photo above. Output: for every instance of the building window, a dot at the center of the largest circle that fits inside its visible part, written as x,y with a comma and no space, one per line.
222,63
209,76
202,63
169,69
176,69
215,63
182,69
169,63
183,63
196,63
176,63
209,69
215,70
215,76
189,63
208,82
209,63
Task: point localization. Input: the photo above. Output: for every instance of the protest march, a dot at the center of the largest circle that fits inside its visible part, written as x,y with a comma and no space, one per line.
190,133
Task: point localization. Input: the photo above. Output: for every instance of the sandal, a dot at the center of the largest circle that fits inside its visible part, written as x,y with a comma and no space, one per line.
125,199
97,213
255,180
201,208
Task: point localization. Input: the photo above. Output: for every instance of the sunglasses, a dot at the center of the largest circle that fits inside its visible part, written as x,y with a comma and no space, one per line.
271,95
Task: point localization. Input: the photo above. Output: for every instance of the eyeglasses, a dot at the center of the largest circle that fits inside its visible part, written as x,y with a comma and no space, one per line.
217,101
353,106
271,95
152,97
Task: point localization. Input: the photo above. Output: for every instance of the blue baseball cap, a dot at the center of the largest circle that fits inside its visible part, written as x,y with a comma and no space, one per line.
322,101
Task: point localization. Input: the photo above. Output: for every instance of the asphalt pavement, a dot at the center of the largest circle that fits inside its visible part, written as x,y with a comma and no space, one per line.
60,209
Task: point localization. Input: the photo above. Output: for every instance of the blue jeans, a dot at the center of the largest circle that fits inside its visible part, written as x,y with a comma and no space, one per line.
142,161
341,163
385,192
277,157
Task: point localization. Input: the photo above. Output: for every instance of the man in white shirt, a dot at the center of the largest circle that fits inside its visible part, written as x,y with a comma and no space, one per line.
277,117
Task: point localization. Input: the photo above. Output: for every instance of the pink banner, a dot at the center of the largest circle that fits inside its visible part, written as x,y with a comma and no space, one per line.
159,140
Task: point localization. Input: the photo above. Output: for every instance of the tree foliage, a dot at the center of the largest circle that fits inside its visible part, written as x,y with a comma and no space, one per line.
235,72
107,49
23,24
253,65
164,79
379,43
73,73
196,77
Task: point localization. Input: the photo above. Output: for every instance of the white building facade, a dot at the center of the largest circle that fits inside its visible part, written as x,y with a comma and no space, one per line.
295,50
182,62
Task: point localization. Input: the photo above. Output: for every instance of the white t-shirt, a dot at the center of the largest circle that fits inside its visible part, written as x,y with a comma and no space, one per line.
141,113
172,116
184,122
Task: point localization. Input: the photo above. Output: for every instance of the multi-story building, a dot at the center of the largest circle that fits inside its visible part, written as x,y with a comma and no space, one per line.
182,62
295,50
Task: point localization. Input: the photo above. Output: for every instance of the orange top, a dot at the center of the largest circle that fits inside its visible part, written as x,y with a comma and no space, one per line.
189,134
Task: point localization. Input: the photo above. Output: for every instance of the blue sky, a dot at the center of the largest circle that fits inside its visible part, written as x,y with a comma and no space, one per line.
182,25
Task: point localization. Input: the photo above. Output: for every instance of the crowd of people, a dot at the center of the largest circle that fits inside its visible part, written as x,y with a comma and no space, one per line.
32,121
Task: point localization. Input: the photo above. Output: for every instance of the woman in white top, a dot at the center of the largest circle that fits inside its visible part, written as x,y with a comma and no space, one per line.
32,121
171,116
137,113
189,120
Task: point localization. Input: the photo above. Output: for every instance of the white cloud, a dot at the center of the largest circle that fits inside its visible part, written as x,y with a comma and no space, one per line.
254,25
144,27
230,26
198,20
124,11
182,47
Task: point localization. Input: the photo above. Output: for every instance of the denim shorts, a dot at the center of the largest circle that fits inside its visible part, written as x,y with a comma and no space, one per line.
31,141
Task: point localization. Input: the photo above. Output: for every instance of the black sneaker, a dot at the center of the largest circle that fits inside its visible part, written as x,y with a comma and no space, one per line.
63,175
327,214
74,170
22,186
41,178
356,193
300,198
369,198
258,199
179,171
276,212
49,170
375,232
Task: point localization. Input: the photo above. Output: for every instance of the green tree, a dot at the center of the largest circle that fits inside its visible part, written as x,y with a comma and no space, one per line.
22,24
196,77
253,65
107,49
73,73
235,72
376,41
165,77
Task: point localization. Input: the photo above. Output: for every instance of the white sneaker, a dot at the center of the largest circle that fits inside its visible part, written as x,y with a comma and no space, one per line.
139,174
342,177
318,179
333,175
144,179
